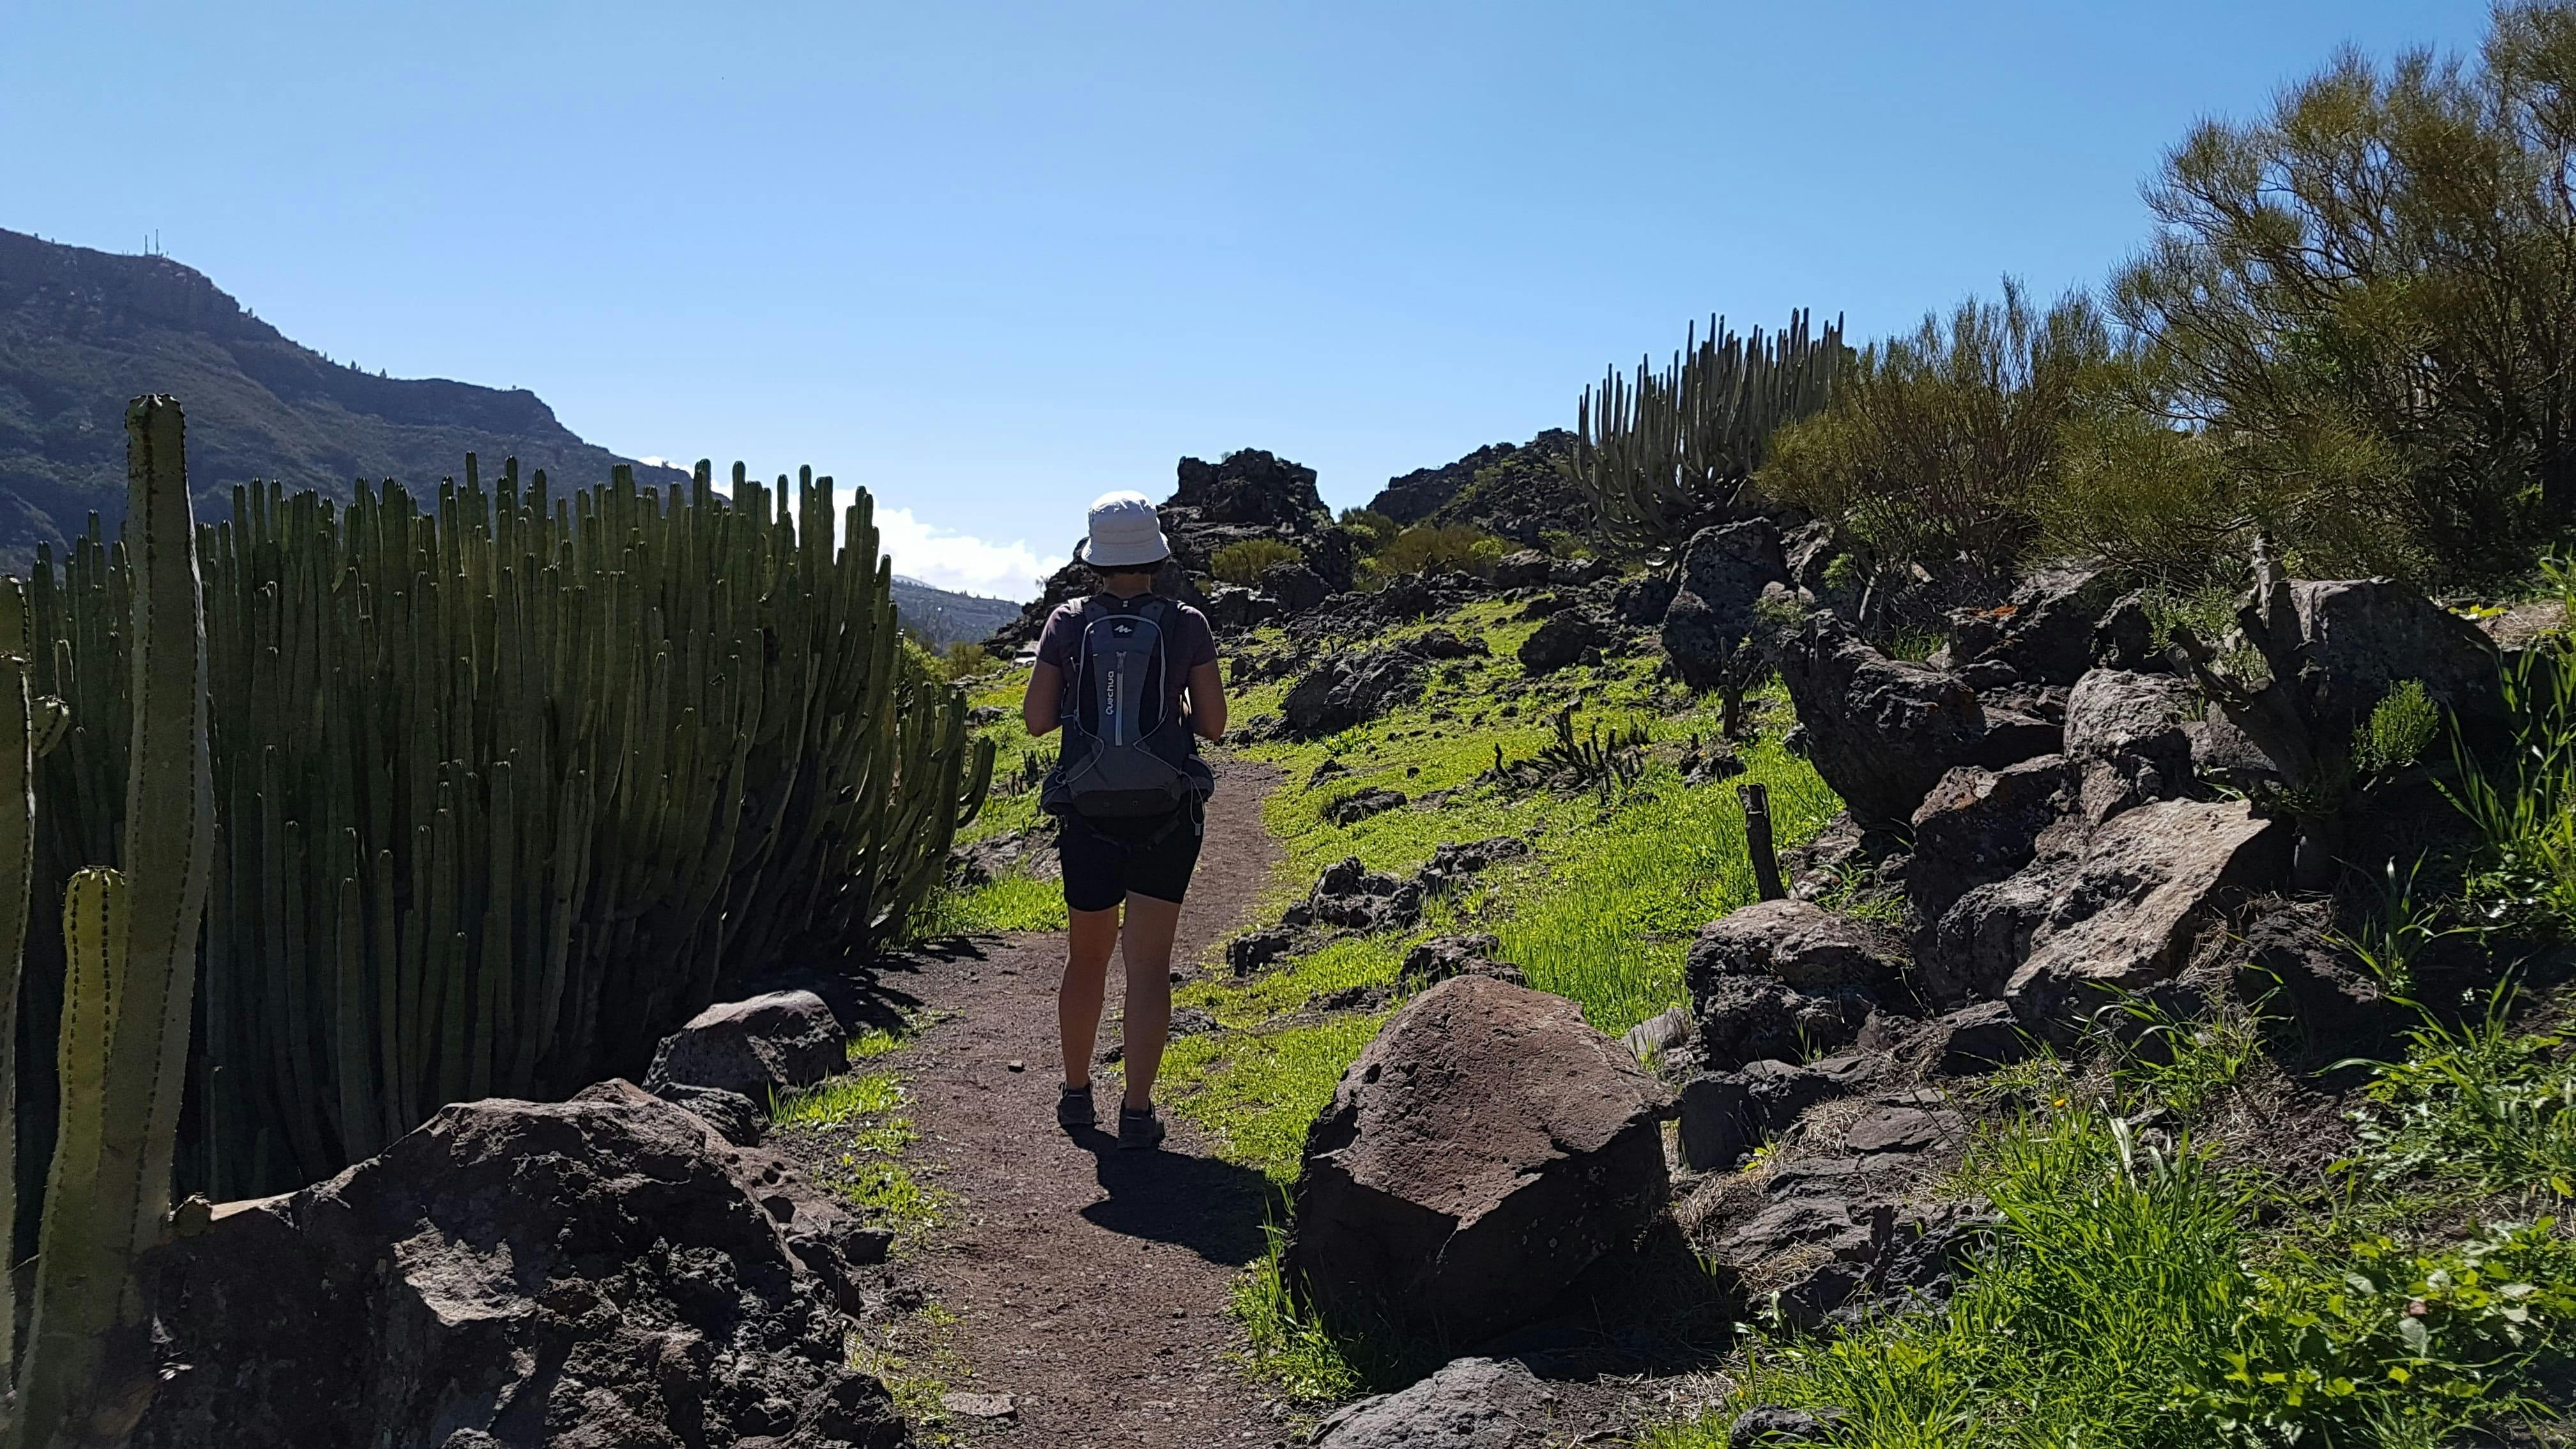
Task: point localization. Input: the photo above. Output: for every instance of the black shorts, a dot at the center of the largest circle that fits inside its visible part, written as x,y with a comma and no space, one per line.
1104,860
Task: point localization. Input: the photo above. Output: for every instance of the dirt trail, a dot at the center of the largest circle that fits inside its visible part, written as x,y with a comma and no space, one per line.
1090,1284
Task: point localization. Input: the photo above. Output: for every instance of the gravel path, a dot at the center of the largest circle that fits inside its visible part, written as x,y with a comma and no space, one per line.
1090,1285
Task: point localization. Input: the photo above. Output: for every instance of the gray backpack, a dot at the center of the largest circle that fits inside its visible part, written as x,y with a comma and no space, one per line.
1123,757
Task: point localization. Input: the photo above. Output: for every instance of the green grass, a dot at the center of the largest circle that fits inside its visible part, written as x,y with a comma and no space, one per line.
2128,1302
1256,1091
2479,1103
1013,902
838,1102
1284,1344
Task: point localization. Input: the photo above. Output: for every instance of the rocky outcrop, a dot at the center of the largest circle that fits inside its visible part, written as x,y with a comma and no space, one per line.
2129,737
1723,571
595,1274
1362,803
1472,1403
1782,979
1515,491
760,1048
1486,1149
1725,1115
1346,690
2042,634
1881,731
1430,962
1350,895
1245,495
2057,939
1798,942
1979,826
1248,487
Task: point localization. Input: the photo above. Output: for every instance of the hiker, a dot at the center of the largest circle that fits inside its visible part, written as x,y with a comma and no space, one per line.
1132,679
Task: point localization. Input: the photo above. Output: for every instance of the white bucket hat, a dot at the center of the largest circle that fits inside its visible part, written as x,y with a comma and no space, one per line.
1125,530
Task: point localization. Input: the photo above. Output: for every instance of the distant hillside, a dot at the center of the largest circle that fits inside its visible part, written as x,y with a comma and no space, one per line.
944,617
82,331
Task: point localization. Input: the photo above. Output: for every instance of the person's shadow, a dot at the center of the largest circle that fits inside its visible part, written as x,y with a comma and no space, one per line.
1215,1209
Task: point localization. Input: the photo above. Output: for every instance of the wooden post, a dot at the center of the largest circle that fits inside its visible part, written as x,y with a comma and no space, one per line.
1757,840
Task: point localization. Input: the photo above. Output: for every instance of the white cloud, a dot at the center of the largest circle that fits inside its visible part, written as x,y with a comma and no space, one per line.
961,561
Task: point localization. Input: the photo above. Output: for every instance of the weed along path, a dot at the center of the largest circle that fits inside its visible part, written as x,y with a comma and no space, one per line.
1088,1284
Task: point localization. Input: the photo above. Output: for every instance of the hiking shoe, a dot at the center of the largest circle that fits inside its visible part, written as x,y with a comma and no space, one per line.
1138,1128
1073,1109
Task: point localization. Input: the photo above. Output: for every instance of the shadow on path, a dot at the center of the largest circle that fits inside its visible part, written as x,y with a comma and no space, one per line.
1212,1208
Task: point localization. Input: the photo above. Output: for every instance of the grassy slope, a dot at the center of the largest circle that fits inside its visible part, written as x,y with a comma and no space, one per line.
2144,1299
1601,911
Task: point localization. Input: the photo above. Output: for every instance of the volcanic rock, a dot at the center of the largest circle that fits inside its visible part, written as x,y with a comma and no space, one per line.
592,1274
760,1048
1472,1403
1486,1149
1881,731
1723,572
1346,690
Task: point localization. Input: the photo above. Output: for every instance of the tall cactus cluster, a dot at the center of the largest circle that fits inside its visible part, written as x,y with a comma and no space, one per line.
1666,452
509,783
126,992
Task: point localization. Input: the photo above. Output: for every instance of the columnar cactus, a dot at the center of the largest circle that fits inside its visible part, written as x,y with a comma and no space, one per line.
1667,452
509,781
129,979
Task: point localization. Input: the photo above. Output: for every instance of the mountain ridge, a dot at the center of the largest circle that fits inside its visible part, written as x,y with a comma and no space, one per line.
82,331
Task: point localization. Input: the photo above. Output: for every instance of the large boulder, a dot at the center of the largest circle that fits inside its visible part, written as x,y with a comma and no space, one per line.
2059,939
1346,690
1800,943
1723,572
593,1274
2360,638
1472,1403
1564,639
1979,826
761,1048
1486,1149
2129,736
2045,632
1881,731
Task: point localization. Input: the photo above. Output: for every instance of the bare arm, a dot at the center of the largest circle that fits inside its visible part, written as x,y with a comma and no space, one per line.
1046,693
1207,702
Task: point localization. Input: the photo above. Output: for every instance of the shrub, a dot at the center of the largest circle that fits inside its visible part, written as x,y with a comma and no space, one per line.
2138,494
965,660
1243,562
1375,529
1435,548
1940,443
2400,729
2369,293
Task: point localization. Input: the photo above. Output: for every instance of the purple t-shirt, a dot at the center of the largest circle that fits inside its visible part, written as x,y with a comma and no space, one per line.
1186,635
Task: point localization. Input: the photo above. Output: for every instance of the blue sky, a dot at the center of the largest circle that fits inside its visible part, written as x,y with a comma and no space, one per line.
993,259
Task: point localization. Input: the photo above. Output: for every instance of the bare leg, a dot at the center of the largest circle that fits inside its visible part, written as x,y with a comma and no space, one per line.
1089,938
1147,950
